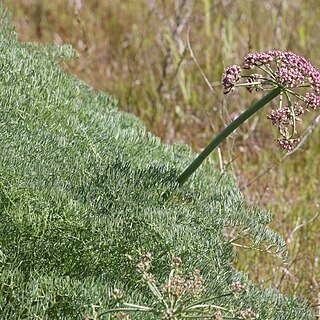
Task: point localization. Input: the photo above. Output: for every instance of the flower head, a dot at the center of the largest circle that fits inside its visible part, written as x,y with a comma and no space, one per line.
177,285
312,100
231,77
248,314
298,79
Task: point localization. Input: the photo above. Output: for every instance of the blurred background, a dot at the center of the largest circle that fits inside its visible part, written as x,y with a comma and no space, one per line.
163,60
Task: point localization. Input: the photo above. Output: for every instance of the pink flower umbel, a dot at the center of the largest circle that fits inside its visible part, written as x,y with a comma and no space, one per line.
283,74
299,82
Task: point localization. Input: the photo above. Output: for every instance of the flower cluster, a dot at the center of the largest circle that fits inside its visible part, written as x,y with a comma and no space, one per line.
285,115
287,144
248,314
177,285
237,286
181,296
297,78
143,267
121,316
312,100
117,294
144,262
231,77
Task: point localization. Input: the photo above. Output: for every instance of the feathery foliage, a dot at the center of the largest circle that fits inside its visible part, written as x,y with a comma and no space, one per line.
81,189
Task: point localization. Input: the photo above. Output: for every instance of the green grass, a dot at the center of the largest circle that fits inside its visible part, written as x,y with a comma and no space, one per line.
127,45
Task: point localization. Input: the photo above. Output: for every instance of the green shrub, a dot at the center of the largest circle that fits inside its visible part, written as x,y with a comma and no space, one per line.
82,188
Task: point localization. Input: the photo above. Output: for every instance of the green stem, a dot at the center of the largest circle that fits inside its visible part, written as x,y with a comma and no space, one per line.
226,132
144,309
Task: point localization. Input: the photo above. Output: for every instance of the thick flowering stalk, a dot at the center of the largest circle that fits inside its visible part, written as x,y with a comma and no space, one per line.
282,73
226,132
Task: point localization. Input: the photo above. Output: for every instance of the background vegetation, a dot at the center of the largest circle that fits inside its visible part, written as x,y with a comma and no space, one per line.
138,51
